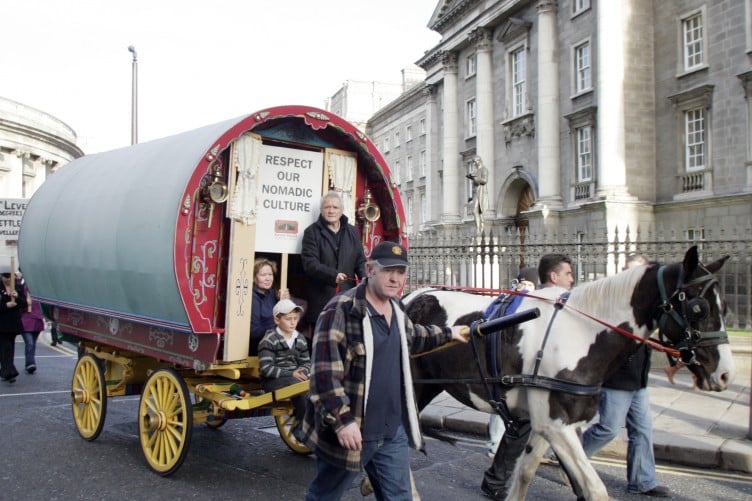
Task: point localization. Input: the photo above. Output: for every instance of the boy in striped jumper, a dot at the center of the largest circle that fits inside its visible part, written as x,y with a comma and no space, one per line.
283,353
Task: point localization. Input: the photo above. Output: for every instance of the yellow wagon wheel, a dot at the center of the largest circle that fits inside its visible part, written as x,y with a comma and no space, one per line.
286,422
165,421
89,397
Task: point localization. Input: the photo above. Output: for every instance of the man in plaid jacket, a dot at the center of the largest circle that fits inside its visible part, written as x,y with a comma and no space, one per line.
362,411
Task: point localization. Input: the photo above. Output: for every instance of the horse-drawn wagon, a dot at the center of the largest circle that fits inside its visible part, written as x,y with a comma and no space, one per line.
145,255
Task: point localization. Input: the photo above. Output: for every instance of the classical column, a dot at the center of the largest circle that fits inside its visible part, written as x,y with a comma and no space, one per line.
746,79
452,180
611,166
484,145
432,180
547,122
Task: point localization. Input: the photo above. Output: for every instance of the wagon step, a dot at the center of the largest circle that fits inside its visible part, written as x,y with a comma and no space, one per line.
293,390
221,396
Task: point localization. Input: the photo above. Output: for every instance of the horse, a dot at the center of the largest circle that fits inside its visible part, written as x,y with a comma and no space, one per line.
550,369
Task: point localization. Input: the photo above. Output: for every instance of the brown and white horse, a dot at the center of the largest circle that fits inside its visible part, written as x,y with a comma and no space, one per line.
574,345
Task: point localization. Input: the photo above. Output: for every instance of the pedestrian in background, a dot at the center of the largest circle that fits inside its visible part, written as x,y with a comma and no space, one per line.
625,399
32,322
554,270
12,303
524,282
55,335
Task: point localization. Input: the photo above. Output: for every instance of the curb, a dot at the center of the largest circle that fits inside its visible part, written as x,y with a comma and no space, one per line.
696,451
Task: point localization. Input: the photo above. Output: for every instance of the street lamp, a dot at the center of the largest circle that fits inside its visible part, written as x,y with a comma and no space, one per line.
134,96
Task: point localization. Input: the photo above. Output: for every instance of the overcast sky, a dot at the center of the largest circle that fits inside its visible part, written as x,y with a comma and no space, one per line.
199,61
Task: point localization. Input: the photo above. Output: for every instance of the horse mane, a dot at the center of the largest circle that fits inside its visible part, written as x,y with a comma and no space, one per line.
607,296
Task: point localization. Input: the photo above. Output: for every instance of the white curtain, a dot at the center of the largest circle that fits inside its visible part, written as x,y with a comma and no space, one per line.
243,201
342,177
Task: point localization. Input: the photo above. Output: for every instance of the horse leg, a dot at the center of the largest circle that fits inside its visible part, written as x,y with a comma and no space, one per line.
526,467
568,448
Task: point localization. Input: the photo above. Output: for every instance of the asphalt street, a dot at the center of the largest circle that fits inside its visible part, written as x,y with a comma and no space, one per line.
45,459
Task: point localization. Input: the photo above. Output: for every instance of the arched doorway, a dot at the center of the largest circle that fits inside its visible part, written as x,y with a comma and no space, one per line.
525,201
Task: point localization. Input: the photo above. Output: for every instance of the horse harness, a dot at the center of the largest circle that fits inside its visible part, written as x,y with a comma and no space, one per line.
692,310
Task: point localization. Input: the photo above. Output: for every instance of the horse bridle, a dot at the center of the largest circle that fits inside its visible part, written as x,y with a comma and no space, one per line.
690,311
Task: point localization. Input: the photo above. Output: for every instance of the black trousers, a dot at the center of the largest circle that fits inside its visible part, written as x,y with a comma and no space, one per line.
7,353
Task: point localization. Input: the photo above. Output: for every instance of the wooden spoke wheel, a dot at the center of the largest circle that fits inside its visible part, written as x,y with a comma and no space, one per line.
89,397
286,422
165,421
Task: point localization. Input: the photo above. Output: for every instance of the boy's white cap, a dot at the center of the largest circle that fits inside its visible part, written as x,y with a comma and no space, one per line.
285,306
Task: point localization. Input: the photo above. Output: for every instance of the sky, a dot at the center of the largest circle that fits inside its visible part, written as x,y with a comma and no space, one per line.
199,61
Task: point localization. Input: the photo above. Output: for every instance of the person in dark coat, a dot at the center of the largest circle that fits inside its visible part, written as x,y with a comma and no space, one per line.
12,303
332,255
625,399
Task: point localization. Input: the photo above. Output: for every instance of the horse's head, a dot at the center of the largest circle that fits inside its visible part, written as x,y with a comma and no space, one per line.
691,317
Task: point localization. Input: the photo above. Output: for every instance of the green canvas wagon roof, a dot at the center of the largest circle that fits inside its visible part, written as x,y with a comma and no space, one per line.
100,231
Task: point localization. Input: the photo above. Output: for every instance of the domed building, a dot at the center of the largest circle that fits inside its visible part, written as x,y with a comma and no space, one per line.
33,145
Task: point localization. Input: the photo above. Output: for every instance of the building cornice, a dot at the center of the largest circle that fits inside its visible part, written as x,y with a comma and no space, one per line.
33,133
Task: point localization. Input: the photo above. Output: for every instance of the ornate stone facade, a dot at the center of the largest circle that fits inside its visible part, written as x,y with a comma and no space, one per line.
634,115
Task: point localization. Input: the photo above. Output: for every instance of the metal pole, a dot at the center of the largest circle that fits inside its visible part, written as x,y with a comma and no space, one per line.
134,96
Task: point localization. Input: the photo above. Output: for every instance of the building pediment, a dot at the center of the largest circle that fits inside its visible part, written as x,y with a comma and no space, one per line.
513,29
448,12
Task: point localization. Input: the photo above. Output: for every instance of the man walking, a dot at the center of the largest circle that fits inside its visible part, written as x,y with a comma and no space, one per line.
362,411
624,398
554,270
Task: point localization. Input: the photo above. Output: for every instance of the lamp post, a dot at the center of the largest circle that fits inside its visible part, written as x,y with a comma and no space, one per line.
134,96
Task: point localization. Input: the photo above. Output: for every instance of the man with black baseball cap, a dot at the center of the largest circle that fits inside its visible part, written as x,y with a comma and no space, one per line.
361,386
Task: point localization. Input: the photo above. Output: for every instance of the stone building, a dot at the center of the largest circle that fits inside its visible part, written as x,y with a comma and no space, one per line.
33,145
588,114
357,100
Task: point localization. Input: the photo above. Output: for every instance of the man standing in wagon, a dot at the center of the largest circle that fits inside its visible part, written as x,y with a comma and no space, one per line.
362,411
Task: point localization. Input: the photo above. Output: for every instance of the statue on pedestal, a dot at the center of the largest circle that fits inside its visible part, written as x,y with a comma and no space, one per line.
479,176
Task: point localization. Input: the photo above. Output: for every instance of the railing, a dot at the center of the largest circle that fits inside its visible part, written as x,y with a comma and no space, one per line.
583,191
456,258
692,181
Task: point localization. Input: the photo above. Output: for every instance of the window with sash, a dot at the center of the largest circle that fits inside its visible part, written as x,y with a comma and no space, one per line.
519,90
583,72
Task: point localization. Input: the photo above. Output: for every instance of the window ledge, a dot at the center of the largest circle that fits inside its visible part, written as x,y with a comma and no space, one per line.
691,71
693,195
582,93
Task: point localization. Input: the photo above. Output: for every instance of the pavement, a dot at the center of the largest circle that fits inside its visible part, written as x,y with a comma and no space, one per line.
690,427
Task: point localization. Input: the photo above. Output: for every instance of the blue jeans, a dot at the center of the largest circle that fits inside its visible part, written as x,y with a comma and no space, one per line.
30,346
387,463
632,407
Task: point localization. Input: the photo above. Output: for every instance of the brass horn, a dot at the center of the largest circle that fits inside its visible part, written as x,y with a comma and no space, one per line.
368,210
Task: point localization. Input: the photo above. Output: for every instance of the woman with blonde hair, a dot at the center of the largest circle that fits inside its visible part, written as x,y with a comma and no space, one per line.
264,299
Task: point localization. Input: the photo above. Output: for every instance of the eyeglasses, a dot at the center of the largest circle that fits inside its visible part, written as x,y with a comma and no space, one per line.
5,275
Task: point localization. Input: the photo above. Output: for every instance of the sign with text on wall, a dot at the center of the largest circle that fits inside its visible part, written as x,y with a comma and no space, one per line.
289,194
11,213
